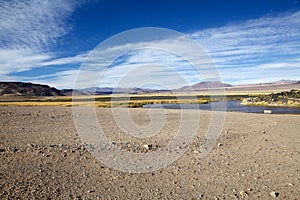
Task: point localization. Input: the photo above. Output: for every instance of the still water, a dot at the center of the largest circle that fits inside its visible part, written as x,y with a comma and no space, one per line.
228,106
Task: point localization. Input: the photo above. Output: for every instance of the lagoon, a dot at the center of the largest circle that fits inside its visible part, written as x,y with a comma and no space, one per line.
229,106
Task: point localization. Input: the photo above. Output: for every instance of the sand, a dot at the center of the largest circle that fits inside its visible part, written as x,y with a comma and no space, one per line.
42,157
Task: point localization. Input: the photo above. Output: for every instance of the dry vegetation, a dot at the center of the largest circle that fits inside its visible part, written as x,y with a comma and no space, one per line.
122,100
286,98
104,101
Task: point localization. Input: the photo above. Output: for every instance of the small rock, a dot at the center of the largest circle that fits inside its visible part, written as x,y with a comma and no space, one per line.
196,151
14,149
290,184
243,193
33,145
274,194
220,144
147,146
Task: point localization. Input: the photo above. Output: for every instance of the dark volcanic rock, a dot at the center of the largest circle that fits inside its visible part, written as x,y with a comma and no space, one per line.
27,89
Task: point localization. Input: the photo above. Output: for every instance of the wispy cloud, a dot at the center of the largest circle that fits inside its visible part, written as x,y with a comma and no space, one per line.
64,79
17,60
255,48
265,49
29,31
168,61
258,50
34,24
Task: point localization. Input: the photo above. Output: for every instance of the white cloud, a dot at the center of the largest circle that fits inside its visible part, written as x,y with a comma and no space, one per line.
28,30
33,24
63,80
65,60
156,55
280,65
15,60
256,39
19,60
258,49
255,50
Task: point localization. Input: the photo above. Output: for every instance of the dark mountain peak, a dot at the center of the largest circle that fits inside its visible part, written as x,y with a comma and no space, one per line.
27,89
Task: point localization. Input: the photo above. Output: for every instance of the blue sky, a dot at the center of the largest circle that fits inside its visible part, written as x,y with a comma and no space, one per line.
248,41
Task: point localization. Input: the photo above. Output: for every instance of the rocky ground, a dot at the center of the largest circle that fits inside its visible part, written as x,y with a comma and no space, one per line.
42,157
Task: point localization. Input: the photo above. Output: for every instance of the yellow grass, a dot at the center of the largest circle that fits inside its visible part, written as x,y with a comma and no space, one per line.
32,103
130,103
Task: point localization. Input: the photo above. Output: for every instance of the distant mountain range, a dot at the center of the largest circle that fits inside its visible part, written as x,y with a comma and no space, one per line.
206,86
110,90
282,82
30,89
202,86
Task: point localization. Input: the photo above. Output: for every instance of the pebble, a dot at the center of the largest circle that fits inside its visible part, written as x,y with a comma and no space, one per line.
14,149
196,151
147,146
243,193
274,194
290,184
33,145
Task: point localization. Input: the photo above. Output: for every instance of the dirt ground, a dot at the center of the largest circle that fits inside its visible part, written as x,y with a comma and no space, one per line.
42,157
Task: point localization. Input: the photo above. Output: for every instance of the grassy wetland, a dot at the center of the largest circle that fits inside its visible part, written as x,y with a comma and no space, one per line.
120,100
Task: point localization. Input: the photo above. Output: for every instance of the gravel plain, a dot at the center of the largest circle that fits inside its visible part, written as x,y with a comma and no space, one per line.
42,157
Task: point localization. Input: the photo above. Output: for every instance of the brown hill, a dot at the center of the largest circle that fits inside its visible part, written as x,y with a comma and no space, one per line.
27,89
281,85
206,86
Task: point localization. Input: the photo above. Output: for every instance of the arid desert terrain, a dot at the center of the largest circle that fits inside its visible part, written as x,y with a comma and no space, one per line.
42,157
